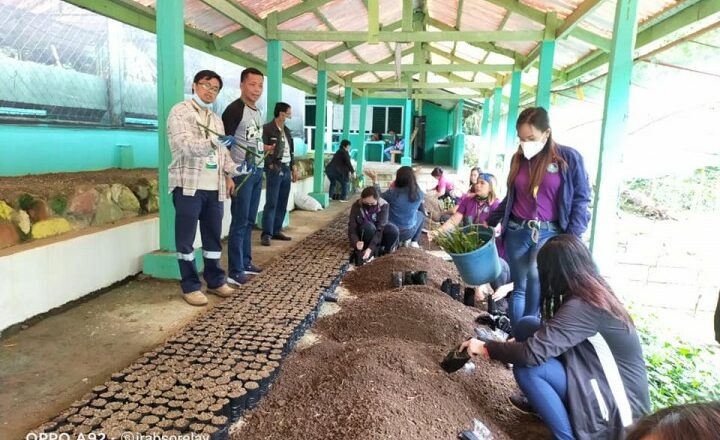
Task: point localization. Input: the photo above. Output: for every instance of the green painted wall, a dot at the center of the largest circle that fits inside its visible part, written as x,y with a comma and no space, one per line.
439,124
33,149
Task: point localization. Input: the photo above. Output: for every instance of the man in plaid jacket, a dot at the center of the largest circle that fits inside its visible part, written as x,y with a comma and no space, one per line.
200,178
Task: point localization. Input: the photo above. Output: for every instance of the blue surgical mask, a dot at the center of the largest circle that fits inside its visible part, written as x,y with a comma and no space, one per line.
200,102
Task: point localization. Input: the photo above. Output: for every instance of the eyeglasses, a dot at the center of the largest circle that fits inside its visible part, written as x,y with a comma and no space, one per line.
209,88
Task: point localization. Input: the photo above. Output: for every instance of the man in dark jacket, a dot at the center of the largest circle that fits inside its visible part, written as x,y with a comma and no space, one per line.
279,172
339,170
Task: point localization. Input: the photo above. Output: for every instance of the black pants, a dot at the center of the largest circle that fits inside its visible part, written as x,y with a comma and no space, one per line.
390,236
204,207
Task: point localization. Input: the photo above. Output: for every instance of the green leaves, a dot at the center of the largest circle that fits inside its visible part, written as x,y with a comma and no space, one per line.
462,240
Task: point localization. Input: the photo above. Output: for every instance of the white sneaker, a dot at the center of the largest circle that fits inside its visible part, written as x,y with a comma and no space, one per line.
405,243
414,244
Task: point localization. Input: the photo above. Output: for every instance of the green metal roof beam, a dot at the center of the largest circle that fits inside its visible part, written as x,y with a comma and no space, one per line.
704,9
348,78
412,37
234,13
488,47
143,17
332,75
581,12
373,9
422,85
300,9
233,37
407,15
538,16
415,68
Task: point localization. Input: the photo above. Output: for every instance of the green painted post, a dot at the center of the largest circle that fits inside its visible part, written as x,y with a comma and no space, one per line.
361,147
512,114
544,84
170,73
615,115
274,76
319,166
347,112
406,159
496,118
485,134
458,137
513,107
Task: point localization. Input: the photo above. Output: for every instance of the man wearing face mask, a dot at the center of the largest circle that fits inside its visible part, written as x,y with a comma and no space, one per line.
279,172
243,120
200,177
548,194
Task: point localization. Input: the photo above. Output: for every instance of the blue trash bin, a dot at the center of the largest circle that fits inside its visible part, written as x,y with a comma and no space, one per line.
481,265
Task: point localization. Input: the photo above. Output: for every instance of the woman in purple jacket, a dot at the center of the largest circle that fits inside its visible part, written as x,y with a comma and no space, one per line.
548,194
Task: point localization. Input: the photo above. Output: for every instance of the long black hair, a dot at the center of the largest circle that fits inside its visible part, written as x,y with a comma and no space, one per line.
566,269
405,178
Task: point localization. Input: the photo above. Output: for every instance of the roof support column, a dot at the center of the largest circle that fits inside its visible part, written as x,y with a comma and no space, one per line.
544,84
459,137
485,134
406,159
495,137
347,112
170,87
513,110
547,56
615,115
274,76
319,163
361,129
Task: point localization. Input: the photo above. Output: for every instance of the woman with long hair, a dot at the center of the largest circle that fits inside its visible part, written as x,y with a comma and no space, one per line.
406,204
548,194
581,368
369,230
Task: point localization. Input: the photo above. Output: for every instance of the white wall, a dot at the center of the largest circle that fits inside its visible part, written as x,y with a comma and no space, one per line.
38,280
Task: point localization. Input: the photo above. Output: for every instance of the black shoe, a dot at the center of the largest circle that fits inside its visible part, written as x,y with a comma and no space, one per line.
265,240
282,237
237,280
252,270
520,402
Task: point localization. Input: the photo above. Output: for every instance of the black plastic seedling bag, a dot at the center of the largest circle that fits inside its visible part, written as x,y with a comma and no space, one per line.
455,360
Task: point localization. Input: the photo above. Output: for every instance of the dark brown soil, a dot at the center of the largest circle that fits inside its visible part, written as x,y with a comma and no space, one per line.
376,375
415,313
376,276
45,186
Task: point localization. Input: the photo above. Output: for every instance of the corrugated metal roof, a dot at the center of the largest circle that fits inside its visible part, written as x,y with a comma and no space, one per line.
477,15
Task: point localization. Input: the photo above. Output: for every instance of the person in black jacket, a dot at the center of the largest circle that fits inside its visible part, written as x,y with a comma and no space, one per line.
582,368
279,173
368,228
339,170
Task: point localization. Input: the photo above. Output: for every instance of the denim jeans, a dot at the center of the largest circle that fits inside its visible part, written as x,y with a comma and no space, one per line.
244,208
545,386
521,255
337,177
413,233
204,207
277,193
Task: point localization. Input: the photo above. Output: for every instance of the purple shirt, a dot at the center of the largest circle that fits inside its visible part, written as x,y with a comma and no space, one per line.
545,208
475,210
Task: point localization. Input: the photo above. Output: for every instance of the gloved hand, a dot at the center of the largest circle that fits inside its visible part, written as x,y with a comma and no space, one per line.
228,141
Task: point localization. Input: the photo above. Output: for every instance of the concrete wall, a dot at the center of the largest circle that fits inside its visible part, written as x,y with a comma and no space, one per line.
37,280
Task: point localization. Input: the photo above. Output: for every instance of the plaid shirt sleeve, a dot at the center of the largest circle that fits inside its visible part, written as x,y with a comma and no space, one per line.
184,133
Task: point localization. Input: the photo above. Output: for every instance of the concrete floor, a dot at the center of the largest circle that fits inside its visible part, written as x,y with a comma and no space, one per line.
54,361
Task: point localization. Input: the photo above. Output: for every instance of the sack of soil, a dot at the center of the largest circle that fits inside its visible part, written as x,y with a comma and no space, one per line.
455,360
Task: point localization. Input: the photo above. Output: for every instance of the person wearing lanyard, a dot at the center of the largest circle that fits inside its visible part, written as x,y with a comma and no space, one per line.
199,177
279,172
243,120
548,194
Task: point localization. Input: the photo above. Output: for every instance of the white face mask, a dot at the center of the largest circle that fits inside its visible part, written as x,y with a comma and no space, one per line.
200,102
532,148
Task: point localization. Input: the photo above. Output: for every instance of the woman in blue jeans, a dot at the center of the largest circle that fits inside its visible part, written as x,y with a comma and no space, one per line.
548,194
581,368
406,204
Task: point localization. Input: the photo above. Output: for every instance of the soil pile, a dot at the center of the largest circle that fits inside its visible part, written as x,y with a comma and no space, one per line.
375,373
376,276
415,313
